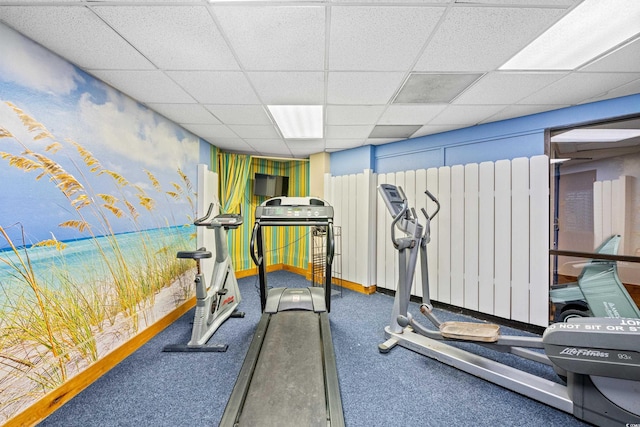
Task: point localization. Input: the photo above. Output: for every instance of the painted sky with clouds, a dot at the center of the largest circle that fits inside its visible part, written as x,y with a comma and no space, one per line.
123,135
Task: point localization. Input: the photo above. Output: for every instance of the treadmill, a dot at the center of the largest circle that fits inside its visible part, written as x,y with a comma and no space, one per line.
289,375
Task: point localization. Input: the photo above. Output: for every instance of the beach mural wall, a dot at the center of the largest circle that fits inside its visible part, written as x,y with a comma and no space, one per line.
96,196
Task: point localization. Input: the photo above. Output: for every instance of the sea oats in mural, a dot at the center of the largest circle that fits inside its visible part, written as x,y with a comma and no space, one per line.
53,320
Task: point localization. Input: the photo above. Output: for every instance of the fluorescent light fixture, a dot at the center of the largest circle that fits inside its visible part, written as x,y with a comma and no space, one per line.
596,135
589,30
298,121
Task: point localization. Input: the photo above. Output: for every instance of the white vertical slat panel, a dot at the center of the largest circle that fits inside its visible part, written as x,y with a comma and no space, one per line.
539,241
471,254
486,238
457,235
606,210
598,234
351,232
346,230
339,197
362,236
390,258
383,239
421,203
328,187
207,185
616,206
367,235
444,235
520,239
433,249
502,239
625,213
410,191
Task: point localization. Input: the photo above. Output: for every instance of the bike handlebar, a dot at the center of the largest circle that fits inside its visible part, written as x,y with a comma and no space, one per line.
201,221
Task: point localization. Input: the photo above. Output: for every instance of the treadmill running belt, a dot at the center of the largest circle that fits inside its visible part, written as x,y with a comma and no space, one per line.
288,382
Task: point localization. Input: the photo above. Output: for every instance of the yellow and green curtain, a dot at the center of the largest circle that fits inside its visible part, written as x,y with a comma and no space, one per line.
233,170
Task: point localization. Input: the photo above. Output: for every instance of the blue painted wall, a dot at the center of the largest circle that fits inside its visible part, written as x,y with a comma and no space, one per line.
507,139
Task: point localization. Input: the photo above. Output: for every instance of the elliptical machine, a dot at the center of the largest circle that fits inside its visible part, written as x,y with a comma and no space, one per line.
599,357
217,303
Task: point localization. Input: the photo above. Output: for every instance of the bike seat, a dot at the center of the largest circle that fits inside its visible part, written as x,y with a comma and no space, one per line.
199,254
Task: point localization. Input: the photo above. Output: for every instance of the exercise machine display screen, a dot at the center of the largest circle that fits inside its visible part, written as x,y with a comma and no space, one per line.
391,198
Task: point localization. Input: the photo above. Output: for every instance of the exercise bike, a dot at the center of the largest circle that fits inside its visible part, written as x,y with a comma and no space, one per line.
217,303
598,357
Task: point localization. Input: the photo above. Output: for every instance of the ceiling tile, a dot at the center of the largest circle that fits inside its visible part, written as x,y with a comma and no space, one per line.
305,148
410,114
483,38
433,129
211,132
275,38
240,114
513,111
270,146
423,88
172,37
353,114
631,88
216,87
343,144
622,59
289,88
506,87
379,38
233,145
465,115
145,86
576,87
347,132
74,33
362,87
251,131
185,113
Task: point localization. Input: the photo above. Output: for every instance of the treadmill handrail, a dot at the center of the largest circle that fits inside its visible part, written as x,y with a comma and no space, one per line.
252,245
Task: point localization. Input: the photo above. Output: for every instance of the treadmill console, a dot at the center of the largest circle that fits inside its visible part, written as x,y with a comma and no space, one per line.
294,209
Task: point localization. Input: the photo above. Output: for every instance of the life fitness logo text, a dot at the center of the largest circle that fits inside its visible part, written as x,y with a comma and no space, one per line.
571,351
228,300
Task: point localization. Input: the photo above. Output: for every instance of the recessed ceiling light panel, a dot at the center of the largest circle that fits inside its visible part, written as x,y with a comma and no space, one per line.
589,30
298,121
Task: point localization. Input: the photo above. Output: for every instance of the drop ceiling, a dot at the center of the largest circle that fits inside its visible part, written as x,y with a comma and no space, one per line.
384,70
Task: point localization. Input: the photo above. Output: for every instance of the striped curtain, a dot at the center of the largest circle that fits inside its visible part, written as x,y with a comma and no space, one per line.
233,170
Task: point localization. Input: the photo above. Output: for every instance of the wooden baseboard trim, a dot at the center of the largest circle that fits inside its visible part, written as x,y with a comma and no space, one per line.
58,397
367,290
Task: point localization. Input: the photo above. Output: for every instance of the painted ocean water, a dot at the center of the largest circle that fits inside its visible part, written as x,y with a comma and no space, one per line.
81,259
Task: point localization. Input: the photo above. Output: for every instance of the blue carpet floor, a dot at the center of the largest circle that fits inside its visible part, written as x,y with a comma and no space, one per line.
401,388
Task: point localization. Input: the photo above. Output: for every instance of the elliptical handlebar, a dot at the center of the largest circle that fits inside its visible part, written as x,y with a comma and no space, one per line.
398,217
434,200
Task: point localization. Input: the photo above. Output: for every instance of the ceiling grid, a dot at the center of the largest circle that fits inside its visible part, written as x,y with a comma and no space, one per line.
382,70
